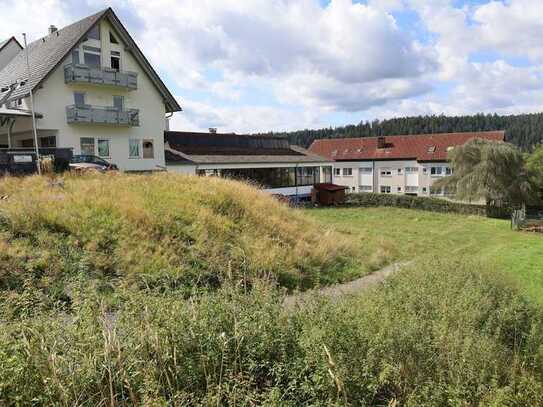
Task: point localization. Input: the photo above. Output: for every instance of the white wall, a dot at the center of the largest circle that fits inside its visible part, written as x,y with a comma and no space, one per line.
350,181
398,180
53,97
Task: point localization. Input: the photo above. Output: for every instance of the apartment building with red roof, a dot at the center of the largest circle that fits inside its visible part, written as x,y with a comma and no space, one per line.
407,164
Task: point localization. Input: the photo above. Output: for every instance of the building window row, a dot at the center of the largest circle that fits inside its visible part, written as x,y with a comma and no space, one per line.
273,177
101,147
346,172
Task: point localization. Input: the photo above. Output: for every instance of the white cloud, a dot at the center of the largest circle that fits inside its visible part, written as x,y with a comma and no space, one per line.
346,45
199,116
32,17
288,64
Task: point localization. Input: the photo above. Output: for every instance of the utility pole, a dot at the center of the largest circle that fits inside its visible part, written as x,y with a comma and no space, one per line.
32,108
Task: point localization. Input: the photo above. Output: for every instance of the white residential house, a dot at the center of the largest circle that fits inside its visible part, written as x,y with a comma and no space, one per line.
407,164
268,161
94,91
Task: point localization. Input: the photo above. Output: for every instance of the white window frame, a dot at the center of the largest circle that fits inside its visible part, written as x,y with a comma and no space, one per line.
436,171
87,144
337,172
385,172
365,188
97,144
385,189
347,172
366,170
130,156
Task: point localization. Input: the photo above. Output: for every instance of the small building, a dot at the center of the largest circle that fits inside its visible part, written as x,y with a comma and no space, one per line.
408,164
268,161
328,194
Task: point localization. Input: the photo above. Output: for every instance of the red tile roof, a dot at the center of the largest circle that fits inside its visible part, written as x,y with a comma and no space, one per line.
420,147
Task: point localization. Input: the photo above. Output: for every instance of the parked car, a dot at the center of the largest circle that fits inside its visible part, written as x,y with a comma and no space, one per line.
91,162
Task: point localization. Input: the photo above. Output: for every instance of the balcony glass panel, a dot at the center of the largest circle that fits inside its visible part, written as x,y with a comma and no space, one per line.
88,114
75,73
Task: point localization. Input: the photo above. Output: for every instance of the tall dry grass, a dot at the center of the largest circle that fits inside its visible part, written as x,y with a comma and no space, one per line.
160,231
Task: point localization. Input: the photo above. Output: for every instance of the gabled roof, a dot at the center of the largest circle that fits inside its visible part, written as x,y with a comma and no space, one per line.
421,147
48,52
6,42
210,148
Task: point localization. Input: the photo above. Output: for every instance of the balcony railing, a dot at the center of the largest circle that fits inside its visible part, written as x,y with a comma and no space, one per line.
86,114
100,76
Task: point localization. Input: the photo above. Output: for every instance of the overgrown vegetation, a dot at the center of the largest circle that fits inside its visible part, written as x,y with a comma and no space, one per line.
156,232
136,290
440,335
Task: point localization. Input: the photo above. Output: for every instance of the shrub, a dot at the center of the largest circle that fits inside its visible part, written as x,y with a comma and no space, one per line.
425,203
441,334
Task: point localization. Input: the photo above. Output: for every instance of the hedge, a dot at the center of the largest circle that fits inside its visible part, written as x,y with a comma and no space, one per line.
370,199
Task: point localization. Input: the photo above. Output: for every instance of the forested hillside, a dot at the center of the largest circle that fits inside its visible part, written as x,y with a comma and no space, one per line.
524,130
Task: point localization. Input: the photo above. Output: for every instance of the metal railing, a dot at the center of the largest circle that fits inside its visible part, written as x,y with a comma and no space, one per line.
87,114
100,76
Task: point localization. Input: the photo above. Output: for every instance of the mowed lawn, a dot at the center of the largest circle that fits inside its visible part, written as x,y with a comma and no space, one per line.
386,235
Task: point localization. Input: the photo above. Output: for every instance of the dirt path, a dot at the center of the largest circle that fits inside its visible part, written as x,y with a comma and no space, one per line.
352,287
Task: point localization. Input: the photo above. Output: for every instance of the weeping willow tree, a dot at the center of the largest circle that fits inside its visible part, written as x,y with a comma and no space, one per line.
534,165
489,170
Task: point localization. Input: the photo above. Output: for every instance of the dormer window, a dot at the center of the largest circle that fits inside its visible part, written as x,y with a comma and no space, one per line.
346,151
432,149
112,38
334,152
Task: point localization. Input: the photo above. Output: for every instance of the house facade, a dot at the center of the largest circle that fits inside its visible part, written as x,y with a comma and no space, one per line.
395,164
94,92
268,161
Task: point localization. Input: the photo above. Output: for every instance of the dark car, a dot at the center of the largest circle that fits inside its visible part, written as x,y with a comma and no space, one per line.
91,162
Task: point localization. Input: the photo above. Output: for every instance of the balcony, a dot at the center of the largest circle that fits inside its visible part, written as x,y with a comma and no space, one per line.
87,114
103,76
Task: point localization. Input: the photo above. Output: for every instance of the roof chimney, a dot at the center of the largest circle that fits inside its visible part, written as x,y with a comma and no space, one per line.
381,142
213,130
52,29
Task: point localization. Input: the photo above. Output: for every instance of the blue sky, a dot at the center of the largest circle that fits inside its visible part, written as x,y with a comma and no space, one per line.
261,65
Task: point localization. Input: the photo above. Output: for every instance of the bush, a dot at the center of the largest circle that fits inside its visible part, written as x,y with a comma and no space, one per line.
441,334
425,203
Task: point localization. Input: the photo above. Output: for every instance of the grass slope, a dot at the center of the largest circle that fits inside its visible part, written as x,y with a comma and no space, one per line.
162,290
156,232
392,234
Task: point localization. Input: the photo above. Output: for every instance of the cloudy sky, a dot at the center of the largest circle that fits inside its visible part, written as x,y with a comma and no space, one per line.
259,65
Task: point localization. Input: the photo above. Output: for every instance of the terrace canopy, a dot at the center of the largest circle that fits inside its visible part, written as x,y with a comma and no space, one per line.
8,117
